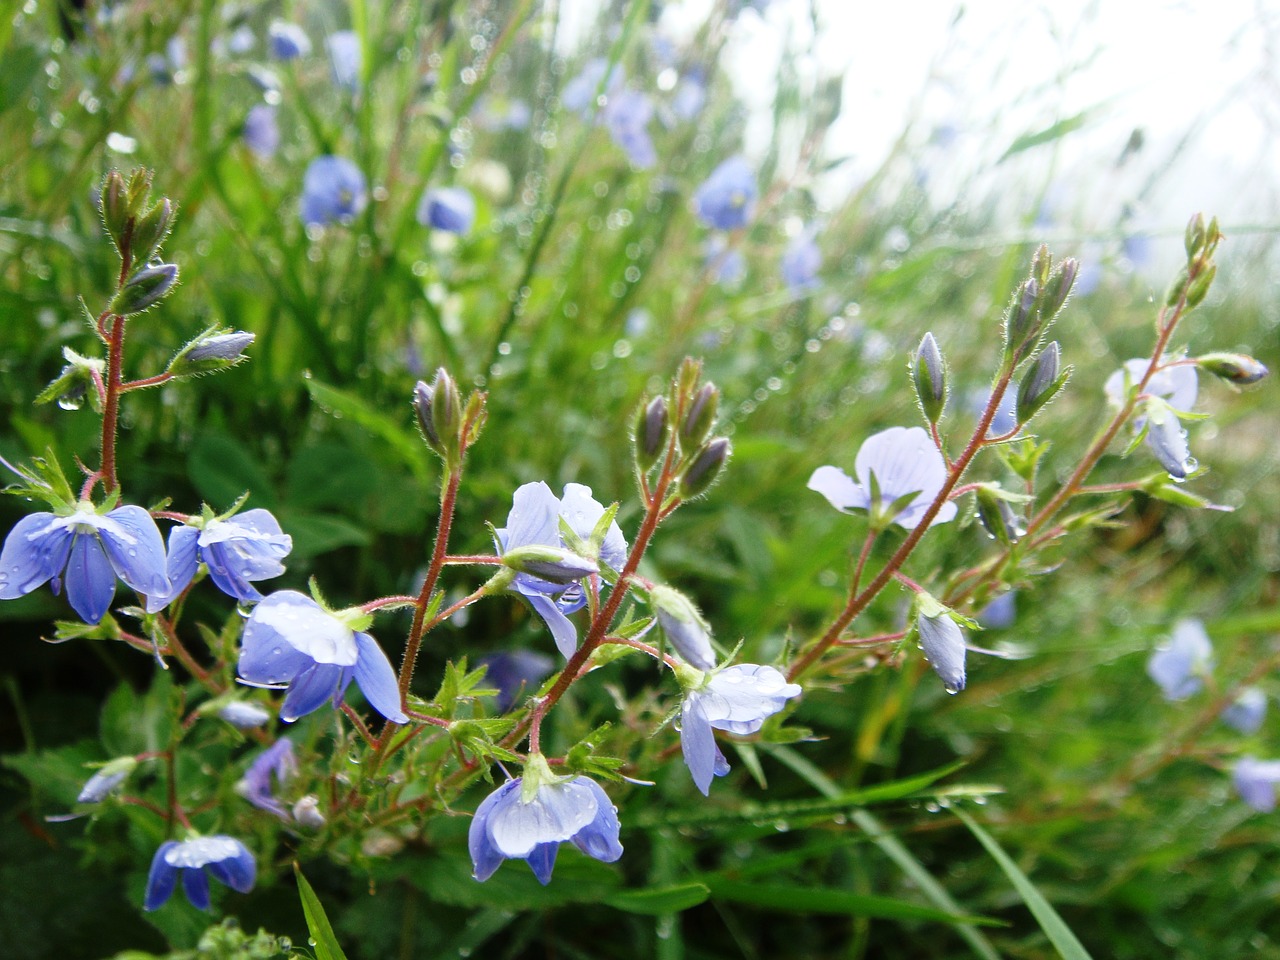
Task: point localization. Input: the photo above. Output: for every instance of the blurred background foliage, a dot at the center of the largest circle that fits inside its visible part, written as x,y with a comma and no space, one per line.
581,284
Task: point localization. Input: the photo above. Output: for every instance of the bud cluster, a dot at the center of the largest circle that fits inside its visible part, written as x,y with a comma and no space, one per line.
1036,303
447,426
685,443
138,228
1193,281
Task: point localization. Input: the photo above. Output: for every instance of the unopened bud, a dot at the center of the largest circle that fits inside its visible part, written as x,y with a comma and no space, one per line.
1167,439
1023,323
700,417
115,206
474,416
944,648
929,375
1040,383
705,468
1193,240
72,385
1058,287
684,626
1199,287
1041,264
150,230
439,410
422,407
1234,367
211,352
244,716
144,289
110,776
306,813
554,564
653,424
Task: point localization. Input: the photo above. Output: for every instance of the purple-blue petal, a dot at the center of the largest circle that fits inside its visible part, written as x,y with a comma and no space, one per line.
182,562
377,680
599,838
562,629
237,872
196,886
697,743
542,860
34,552
139,559
161,879
310,689
90,581
485,856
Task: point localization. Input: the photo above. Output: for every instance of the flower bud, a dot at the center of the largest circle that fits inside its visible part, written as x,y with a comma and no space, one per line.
684,626
705,468
1198,288
210,352
1041,264
1167,439
306,812
150,230
243,715
72,385
997,516
1194,238
700,417
554,564
439,410
108,777
115,206
474,416
1022,324
653,424
1233,367
1059,287
1040,383
930,377
422,407
944,647
145,288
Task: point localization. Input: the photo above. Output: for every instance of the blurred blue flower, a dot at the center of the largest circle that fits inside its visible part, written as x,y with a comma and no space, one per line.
1169,392
801,262
333,189
1247,712
261,134
451,209
903,460
580,92
243,715
287,41
276,761
1255,781
738,700
726,199
1180,666
244,547
690,96
726,265
1006,417
944,648
515,673
1000,612
494,114
224,858
87,551
291,641
627,114
345,58
534,520
514,824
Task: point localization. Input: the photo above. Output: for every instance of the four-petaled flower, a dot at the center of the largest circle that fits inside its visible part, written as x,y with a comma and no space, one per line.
1256,781
291,641
451,209
515,823
1170,391
1180,666
738,700
223,857
247,546
333,190
534,520
902,460
87,551
255,786
727,198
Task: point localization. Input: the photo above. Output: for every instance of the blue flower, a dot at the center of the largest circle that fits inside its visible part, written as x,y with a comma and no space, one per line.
345,58
111,775
1170,391
87,551
1000,612
738,700
247,546
287,41
291,641
1247,712
627,114
261,134
690,95
534,520
903,460
684,626
726,265
451,209
524,821
944,648
801,262
333,189
1255,781
223,857
278,761
727,198
1180,666
514,673
579,93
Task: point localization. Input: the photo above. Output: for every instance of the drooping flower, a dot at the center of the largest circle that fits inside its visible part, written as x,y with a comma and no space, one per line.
684,626
1170,391
627,115
106,779
944,648
529,817
534,520
275,761
726,199
345,58
1255,781
224,858
514,673
287,41
738,700
1247,712
291,641
245,547
86,551
902,460
1180,666
333,190
451,209
801,262
261,133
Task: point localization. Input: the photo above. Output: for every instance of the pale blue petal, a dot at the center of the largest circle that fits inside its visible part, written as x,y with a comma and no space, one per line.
534,517
485,857
161,879
542,860
310,690
904,460
137,556
35,551
839,489
1255,781
697,743
944,647
582,512
599,838
556,813
266,657
90,581
1179,666
300,623
180,565
562,629
1248,711
740,698
377,680
196,886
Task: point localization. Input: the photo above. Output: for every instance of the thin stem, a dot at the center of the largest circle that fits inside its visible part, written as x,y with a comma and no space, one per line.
155,381
111,404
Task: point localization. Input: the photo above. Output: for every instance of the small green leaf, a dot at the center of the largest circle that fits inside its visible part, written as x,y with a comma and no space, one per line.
326,943
654,901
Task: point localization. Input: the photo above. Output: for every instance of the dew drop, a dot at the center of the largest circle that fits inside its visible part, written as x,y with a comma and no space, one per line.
71,401
951,689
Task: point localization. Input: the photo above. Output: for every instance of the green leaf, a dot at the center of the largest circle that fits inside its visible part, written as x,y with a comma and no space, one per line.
222,469
326,943
402,441
1059,934
793,898
1055,132
654,901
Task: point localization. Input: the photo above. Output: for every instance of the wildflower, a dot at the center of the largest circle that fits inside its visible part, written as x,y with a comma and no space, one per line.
333,189
223,857
627,114
690,95
580,92
106,779
1169,391
1000,612
287,41
534,520
801,262
515,672
1180,666
684,626
278,761
726,199
944,648
727,266
529,817
291,641
345,58
87,551
895,463
451,209
1247,712
241,548
261,134
738,700
1255,781
244,716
